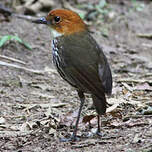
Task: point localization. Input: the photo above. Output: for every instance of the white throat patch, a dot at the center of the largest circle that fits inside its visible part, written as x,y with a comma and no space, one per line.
55,33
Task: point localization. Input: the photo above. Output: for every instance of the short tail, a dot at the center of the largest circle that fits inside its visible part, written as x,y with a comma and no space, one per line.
100,104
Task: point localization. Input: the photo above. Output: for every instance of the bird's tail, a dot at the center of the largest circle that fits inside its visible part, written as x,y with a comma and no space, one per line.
100,104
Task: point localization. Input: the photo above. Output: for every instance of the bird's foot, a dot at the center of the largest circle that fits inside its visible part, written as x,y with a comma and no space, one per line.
98,133
71,139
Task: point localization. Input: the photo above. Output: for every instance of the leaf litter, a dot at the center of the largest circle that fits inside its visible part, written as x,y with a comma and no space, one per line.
45,112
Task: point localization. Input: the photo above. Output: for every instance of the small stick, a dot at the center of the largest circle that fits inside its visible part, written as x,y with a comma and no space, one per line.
20,67
145,35
12,59
26,69
24,17
134,80
8,12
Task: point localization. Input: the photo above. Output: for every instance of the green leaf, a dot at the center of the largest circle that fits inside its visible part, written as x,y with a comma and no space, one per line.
102,3
6,38
82,15
21,42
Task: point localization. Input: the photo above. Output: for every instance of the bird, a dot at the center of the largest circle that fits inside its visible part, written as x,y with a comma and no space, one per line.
79,60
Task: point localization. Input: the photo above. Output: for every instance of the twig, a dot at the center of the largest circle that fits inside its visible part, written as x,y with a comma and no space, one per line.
145,35
137,116
103,140
129,88
8,12
83,145
26,69
148,74
135,80
25,17
12,59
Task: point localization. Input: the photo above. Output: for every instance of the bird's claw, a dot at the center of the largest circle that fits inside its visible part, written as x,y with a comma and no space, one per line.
98,133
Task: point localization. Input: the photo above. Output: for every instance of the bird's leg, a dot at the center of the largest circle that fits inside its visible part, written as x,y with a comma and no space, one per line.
98,130
82,99
74,135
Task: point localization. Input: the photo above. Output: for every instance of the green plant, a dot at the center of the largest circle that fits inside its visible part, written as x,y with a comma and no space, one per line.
102,7
6,38
138,6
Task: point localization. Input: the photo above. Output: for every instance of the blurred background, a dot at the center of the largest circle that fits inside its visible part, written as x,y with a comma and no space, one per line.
37,106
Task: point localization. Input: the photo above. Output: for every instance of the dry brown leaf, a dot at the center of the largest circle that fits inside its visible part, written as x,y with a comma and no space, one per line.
88,118
114,111
124,91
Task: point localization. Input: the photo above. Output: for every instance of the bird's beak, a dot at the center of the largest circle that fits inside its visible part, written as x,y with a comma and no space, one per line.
42,20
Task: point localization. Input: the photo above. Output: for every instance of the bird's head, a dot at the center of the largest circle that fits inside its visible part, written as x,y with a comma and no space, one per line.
63,22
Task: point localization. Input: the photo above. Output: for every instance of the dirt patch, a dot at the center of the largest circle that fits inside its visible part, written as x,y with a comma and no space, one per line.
38,109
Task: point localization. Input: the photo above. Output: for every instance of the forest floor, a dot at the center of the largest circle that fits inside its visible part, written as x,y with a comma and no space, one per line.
37,107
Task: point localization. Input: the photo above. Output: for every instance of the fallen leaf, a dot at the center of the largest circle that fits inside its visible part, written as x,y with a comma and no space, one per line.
52,131
112,108
88,118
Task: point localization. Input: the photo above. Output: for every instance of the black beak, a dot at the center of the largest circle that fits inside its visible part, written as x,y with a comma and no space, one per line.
42,20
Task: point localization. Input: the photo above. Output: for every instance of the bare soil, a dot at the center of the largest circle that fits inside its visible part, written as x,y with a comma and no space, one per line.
38,108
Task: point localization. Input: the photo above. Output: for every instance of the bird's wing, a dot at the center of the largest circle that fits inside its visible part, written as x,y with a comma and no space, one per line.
86,61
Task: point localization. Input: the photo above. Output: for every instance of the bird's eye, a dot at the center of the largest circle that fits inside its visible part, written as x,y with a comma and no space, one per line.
57,19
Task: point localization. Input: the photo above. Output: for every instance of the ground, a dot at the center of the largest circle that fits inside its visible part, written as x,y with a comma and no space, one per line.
37,107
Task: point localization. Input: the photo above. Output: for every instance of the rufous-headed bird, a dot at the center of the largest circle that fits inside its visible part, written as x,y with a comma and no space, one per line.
79,60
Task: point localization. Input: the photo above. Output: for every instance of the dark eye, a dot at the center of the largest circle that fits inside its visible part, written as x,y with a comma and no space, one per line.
57,19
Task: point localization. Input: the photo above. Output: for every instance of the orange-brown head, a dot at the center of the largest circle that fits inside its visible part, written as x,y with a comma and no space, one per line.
63,22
